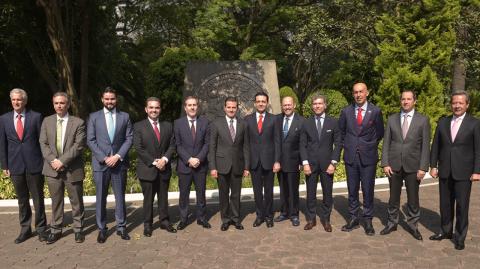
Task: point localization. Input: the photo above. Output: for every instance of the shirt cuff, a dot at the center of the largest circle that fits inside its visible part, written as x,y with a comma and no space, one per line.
119,157
165,159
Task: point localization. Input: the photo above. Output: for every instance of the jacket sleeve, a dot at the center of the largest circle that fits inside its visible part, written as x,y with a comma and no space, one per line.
202,155
139,145
123,151
92,140
3,145
386,145
337,140
425,154
212,146
434,151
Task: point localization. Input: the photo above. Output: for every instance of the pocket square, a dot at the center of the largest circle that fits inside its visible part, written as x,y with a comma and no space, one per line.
328,131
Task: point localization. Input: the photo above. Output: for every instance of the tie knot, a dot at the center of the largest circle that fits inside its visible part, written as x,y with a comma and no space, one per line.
260,116
287,118
231,121
155,123
359,109
318,117
60,120
192,121
19,116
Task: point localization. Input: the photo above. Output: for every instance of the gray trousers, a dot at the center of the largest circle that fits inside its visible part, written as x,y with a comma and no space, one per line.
413,204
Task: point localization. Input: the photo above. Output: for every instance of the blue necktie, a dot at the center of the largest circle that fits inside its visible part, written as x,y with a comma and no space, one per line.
285,127
111,126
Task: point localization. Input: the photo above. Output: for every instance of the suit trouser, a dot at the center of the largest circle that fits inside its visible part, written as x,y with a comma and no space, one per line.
229,189
118,177
289,182
158,187
262,181
326,181
184,184
26,185
455,201
413,208
365,174
57,187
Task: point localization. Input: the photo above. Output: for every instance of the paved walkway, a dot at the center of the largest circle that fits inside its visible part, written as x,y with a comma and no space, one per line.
282,246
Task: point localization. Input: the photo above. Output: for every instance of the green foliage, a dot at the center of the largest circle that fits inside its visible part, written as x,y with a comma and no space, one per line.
335,102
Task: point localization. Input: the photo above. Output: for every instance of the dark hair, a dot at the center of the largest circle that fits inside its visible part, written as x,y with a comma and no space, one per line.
414,94
64,94
464,93
261,94
149,99
188,98
109,90
230,99
319,96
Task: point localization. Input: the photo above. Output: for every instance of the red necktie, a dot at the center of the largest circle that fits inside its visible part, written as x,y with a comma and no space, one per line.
260,123
157,132
19,127
359,116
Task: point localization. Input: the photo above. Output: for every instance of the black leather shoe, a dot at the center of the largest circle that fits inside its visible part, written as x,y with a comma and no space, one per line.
310,225
269,223
43,236
351,225
440,236
22,237
295,221
417,235
238,226
388,229
327,226
280,218
257,222
181,225
53,237
369,228
459,246
169,228
224,226
123,234
147,231
102,237
79,237
204,224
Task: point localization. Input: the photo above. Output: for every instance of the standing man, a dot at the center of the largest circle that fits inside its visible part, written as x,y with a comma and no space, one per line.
155,146
405,157
62,141
265,144
320,150
192,136
289,124
456,151
21,160
361,125
228,159
109,137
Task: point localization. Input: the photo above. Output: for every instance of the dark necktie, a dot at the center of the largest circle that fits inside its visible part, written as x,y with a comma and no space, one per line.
192,128
319,127
232,130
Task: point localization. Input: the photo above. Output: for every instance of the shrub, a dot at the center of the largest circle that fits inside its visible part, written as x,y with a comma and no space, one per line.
335,102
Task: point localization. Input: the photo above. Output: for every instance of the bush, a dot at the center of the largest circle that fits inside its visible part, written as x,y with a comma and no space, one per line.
335,102
287,91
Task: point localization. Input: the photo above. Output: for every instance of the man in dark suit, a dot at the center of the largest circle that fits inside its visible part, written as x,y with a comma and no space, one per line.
362,129
289,124
21,160
456,152
155,145
320,148
62,141
109,137
405,157
192,137
264,158
228,159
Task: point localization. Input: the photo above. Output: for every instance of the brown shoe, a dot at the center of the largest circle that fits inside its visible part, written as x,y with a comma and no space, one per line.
327,226
310,225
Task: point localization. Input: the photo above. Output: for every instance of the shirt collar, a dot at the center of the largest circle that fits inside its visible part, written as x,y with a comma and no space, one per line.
410,114
289,117
15,114
190,119
322,116
64,118
105,110
461,117
364,107
228,119
258,114
151,121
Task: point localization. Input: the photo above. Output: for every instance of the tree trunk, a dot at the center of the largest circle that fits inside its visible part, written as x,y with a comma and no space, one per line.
459,74
84,49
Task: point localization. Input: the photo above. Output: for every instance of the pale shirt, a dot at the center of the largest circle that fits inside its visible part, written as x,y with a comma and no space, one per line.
15,114
234,123
153,127
460,123
258,114
290,118
114,115
409,118
364,110
64,128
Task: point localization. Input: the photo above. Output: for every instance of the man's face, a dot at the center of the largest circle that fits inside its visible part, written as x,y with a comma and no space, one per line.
18,103
407,101
109,100
288,106
191,107
459,105
360,93
318,106
60,104
230,109
153,110
261,103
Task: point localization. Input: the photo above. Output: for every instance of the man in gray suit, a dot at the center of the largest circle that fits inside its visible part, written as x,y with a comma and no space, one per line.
228,159
405,157
109,137
62,141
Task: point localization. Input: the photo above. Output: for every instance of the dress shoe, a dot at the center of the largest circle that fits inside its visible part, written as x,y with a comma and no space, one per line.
295,221
269,223
22,237
181,225
53,237
388,229
123,234
417,235
204,224
441,236
79,237
147,231
459,246
351,225
310,225
224,226
102,237
238,226
169,228
327,226
43,236
257,222
369,228
280,218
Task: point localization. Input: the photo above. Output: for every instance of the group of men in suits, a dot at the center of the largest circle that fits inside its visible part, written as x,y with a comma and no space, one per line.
259,145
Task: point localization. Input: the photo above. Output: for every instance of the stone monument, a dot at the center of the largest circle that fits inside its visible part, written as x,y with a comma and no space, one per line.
212,81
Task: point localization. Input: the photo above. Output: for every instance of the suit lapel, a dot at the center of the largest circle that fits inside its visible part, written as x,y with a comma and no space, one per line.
103,124
368,115
413,124
463,125
293,125
397,126
68,131
11,126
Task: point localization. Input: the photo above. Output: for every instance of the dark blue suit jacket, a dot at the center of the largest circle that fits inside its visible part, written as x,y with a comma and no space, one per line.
99,142
187,147
21,156
363,139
